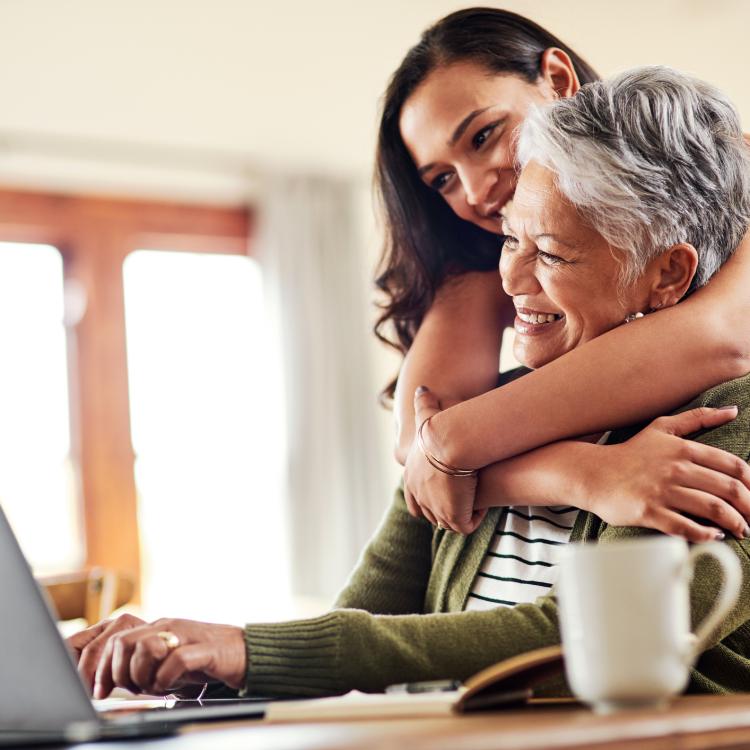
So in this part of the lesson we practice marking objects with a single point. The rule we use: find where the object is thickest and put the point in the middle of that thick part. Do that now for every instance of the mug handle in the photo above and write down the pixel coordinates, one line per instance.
(726, 598)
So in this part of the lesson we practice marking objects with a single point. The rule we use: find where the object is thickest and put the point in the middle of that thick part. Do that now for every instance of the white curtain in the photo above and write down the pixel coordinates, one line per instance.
(318, 291)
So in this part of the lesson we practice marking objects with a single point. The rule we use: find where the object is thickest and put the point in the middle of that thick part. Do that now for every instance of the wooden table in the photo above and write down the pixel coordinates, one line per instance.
(691, 723)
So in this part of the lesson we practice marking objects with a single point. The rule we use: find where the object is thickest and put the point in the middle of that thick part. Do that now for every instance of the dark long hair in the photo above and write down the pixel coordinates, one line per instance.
(425, 242)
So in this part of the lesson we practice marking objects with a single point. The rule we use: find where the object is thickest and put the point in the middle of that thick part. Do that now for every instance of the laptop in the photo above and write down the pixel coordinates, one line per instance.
(42, 698)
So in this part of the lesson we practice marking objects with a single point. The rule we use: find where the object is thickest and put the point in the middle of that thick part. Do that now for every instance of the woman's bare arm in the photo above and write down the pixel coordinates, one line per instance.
(652, 480)
(627, 375)
(457, 347)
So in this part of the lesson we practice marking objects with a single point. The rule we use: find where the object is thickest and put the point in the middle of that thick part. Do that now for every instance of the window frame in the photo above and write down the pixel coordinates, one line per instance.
(94, 235)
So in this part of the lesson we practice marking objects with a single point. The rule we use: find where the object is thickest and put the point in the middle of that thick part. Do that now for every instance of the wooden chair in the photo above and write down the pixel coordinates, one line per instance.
(89, 594)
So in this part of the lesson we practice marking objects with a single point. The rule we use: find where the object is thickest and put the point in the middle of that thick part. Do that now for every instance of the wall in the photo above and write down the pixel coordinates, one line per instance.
(229, 85)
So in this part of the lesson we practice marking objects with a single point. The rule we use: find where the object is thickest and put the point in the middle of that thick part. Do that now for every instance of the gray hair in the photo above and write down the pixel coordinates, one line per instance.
(650, 158)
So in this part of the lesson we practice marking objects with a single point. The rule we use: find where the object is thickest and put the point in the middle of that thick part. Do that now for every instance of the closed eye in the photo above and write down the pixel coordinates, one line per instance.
(550, 259)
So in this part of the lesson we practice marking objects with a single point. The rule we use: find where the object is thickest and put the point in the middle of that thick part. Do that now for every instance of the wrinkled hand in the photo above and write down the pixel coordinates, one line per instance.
(128, 653)
(655, 477)
(444, 500)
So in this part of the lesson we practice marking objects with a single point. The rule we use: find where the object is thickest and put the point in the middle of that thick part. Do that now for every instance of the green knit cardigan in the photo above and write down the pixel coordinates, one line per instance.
(400, 617)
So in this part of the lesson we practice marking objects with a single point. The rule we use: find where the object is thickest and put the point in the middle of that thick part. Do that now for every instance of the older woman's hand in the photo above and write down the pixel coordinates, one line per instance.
(446, 501)
(130, 653)
(654, 479)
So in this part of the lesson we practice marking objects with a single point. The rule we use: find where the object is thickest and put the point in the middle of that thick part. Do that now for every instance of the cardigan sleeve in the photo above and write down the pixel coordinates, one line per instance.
(392, 573)
(351, 649)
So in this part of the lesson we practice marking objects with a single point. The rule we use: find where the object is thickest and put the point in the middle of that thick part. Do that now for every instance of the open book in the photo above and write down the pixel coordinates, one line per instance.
(508, 682)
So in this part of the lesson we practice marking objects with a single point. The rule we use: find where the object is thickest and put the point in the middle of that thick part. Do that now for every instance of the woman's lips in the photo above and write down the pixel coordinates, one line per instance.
(534, 329)
(533, 322)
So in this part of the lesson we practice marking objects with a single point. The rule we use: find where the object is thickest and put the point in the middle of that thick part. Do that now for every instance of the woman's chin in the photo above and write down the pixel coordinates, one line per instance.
(533, 357)
(493, 226)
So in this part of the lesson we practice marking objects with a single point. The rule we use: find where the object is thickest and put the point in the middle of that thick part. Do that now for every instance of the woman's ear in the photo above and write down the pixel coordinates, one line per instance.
(672, 272)
(558, 71)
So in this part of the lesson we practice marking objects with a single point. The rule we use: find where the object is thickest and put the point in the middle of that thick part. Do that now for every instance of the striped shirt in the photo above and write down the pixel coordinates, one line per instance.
(521, 562)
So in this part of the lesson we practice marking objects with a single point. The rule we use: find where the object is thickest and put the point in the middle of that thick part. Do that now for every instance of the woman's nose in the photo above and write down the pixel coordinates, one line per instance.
(477, 184)
(517, 273)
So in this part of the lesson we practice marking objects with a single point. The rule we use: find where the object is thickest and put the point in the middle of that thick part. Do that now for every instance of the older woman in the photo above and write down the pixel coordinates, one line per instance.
(599, 234)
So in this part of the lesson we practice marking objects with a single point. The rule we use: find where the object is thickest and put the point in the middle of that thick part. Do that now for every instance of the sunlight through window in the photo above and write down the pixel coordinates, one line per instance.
(208, 438)
(38, 488)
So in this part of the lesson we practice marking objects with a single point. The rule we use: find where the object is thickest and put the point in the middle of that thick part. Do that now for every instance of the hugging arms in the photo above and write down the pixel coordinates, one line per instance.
(609, 381)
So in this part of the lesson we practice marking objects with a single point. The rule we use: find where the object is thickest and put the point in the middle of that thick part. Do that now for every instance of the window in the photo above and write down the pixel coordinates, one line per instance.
(38, 487)
(206, 435)
(80, 427)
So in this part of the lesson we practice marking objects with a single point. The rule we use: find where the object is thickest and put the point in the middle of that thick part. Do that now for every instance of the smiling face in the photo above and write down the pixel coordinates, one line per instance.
(458, 127)
(561, 273)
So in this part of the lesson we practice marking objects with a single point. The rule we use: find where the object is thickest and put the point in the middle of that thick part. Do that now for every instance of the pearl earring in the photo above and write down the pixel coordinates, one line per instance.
(633, 316)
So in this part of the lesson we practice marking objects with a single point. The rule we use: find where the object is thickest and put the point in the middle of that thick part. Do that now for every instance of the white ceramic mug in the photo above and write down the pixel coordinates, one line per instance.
(625, 618)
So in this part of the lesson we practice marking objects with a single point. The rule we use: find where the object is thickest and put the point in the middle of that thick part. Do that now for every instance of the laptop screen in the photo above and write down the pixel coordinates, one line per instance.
(40, 687)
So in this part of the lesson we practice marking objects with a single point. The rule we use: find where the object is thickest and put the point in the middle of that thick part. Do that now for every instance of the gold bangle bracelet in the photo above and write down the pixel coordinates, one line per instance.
(435, 462)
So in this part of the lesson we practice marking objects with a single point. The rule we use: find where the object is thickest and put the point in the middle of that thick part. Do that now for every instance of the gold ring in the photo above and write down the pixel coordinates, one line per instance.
(169, 638)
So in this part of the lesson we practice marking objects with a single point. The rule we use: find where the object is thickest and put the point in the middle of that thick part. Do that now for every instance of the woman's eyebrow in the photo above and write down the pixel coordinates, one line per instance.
(554, 238)
(426, 168)
(461, 129)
